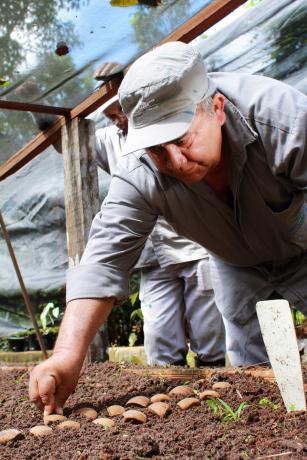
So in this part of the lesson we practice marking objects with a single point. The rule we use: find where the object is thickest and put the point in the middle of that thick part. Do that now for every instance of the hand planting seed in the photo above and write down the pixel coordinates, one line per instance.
(40, 430)
(105, 422)
(139, 401)
(181, 390)
(68, 425)
(186, 403)
(115, 410)
(159, 397)
(134, 416)
(159, 408)
(88, 412)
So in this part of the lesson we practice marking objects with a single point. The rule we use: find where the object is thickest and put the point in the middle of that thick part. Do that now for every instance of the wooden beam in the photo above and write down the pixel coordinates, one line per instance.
(39, 143)
(207, 17)
(36, 108)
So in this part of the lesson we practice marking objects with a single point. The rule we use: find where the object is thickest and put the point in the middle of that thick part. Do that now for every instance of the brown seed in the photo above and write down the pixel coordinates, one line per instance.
(115, 410)
(68, 424)
(8, 435)
(181, 390)
(208, 394)
(88, 412)
(220, 385)
(159, 408)
(105, 422)
(134, 416)
(40, 430)
(53, 418)
(159, 397)
(139, 401)
(186, 403)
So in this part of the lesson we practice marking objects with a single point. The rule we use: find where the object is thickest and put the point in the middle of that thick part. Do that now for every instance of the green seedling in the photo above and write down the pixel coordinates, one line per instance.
(20, 379)
(229, 414)
(266, 402)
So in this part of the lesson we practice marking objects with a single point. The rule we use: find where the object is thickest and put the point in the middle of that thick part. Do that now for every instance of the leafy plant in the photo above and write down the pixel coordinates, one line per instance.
(229, 414)
(266, 402)
(48, 315)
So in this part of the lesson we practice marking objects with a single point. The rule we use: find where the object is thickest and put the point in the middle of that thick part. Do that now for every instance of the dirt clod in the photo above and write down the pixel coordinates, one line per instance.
(115, 410)
(9, 435)
(221, 385)
(181, 390)
(68, 425)
(53, 418)
(134, 416)
(40, 430)
(105, 422)
(139, 401)
(88, 412)
(159, 408)
(159, 397)
(186, 403)
(208, 394)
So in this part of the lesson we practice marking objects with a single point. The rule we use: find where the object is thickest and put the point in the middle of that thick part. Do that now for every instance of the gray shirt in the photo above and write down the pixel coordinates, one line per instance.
(265, 138)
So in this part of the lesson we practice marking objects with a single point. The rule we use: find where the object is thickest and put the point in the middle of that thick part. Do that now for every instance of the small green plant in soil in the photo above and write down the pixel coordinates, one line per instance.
(218, 406)
(266, 402)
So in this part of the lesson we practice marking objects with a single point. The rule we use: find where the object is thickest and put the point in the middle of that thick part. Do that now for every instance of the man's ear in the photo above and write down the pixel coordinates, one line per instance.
(218, 107)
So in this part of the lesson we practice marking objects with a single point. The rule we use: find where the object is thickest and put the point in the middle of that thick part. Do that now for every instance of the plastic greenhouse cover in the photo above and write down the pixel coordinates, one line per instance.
(50, 49)
(269, 38)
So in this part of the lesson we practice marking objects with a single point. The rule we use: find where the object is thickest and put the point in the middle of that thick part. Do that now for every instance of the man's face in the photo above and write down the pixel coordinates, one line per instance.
(197, 154)
(116, 115)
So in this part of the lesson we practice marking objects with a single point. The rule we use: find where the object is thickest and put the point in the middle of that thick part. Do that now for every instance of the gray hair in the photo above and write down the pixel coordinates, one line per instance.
(207, 105)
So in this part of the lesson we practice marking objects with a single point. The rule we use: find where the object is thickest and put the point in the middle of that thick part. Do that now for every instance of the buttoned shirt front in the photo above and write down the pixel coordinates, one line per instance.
(265, 136)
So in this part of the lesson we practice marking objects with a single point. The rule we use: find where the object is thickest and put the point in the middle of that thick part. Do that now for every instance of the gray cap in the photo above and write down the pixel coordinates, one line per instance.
(160, 93)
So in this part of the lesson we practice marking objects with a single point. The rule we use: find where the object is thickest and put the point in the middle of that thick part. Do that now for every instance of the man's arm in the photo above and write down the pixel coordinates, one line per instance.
(52, 381)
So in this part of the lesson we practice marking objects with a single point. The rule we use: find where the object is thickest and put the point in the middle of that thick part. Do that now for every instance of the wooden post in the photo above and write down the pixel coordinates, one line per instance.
(81, 195)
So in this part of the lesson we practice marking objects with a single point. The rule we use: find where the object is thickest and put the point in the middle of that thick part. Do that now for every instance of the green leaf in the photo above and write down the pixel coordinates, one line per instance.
(56, 312)
(133, 297)
(132, 339)
(137, 314)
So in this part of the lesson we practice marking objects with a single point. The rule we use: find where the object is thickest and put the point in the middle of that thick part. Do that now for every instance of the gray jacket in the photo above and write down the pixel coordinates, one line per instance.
(265, 135)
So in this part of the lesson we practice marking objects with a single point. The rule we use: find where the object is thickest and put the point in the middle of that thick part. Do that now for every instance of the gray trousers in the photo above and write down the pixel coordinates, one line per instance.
(238, 289)
(173, 299)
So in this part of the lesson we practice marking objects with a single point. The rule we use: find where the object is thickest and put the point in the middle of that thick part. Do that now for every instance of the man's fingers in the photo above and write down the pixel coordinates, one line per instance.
(46, 391)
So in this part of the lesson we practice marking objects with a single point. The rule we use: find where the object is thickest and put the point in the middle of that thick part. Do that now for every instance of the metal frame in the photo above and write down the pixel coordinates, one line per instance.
(207, 17)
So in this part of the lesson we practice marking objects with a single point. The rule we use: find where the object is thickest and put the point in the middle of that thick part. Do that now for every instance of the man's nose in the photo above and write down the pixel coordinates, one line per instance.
(174, 156)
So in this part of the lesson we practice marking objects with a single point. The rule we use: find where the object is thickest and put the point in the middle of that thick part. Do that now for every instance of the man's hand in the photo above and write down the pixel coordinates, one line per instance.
(52, 381)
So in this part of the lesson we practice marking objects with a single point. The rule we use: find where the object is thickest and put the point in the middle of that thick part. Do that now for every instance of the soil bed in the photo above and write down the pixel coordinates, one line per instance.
(196, 433)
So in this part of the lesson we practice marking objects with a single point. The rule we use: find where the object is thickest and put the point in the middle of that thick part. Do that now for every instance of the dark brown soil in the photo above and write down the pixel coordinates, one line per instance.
(198, 433)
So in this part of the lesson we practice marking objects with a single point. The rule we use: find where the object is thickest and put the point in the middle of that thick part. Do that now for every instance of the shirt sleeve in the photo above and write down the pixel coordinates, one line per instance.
(285, 139)
(117, 237)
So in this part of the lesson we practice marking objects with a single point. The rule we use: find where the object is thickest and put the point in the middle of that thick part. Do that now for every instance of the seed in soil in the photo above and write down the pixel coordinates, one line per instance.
(9, 435)
(134, 416)
(53, 418)
(186, 403)
(182, 390)
(40, 430)
(220, 385)
(159, 408)
(159, 397)
(115, 410)
(208, 394)
(139, 401)
(68, 425)
(88, 412)
(105, 422)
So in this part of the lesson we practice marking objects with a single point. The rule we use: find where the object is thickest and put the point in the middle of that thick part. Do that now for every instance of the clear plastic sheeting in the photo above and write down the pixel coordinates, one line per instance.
(50, 49)
(267, 39)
